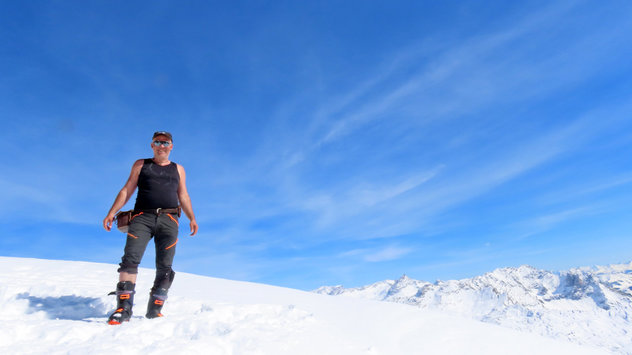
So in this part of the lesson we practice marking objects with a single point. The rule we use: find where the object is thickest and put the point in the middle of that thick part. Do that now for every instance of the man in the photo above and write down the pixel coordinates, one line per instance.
(162, 192)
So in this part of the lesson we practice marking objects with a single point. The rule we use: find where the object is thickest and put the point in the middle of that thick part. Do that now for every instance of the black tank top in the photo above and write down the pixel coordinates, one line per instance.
(157, 186)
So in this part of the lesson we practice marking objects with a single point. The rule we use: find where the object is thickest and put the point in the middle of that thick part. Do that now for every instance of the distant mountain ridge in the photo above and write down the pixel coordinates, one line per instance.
(589, 306)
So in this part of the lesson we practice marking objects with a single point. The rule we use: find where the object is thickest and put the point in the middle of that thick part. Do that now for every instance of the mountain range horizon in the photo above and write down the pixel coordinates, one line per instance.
(587, 305)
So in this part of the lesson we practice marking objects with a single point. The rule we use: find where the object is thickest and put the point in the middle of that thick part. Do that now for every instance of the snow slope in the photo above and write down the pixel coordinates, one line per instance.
(60, 307)
(590, 306)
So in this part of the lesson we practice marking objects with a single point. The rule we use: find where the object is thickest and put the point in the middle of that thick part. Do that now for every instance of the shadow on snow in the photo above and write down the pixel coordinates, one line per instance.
(66, 307)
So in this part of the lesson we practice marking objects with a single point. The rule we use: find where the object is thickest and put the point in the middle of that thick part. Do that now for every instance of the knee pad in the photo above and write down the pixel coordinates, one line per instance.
(163, 280)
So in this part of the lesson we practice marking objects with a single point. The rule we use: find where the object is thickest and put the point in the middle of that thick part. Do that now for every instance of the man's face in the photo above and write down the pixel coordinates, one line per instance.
(157, 144)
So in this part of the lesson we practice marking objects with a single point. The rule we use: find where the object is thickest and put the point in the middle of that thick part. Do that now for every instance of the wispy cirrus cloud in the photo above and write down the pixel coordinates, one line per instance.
(377, 254)
(427, 96)
(334, 206)
(455, 78)
(361, 210)
(387, 254)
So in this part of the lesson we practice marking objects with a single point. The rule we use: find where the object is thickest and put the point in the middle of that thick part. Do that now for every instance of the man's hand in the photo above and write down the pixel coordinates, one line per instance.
(194, 227)
(108, 221)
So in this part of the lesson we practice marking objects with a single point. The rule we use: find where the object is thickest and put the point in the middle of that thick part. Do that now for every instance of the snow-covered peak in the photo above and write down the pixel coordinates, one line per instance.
(330, 290)
(587, 305)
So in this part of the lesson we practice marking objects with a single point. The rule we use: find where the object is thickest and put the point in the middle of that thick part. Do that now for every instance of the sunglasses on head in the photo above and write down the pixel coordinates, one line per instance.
(161, 143)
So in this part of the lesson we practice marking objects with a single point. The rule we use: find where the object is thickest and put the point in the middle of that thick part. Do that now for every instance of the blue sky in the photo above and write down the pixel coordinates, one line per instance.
(325, 142)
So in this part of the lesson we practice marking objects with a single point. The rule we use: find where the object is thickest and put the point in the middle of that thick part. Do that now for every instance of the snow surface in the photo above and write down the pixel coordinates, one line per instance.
(589, 306)
(60, 307)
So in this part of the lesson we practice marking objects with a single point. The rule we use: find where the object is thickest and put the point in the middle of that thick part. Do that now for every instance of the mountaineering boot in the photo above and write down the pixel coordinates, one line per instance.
(124, 302)
(157, 299)
(158, 294)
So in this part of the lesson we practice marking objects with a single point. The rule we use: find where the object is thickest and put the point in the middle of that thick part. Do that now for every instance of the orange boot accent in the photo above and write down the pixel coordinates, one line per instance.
(113, 321)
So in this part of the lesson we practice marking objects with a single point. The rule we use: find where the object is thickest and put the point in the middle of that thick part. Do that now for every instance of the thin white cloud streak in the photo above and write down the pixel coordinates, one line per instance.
(23, 194)
(464, 78)
(20, 200)
(473, 74)
(389, 253)
(548, 221)
(455, 72)
(583, 189)
(374, 255)
(364, 210)
(612, 183)
(413, 208)
(334, 206)
(572, 205)
(452, 73)
(545, 222)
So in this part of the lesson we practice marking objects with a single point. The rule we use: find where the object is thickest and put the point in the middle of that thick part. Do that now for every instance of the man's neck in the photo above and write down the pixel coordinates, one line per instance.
(162, 162)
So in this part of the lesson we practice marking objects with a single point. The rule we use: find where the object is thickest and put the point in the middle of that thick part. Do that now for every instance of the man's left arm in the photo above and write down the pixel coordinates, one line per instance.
(185, 200)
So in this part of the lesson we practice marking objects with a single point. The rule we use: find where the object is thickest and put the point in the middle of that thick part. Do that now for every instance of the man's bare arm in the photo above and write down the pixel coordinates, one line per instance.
(185, 200)
(124, 195)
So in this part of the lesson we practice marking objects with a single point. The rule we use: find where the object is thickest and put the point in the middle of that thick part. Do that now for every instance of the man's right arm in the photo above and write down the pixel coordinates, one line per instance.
(124, 195)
